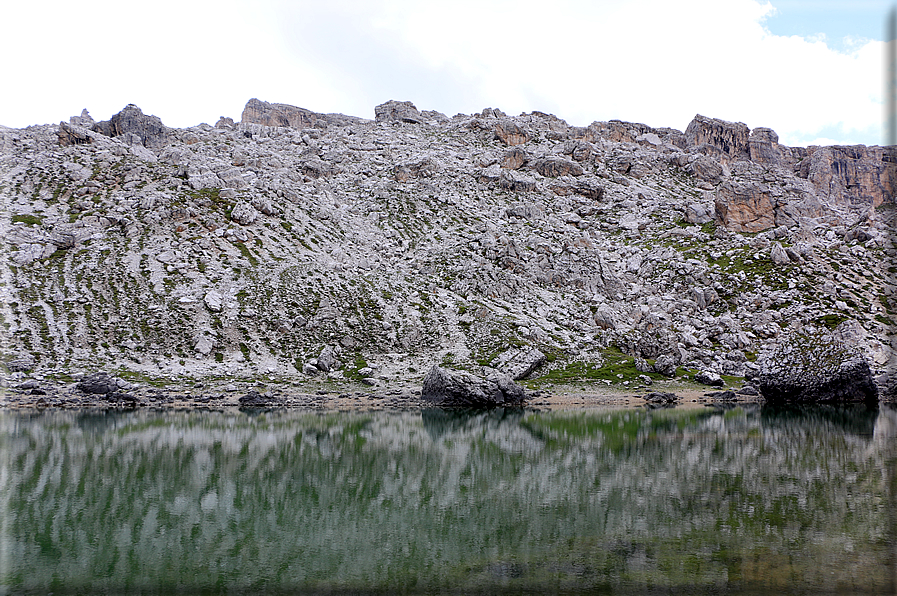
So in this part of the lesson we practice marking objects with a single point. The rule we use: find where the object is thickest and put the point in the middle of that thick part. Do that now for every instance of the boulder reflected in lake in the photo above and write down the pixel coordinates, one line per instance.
(623, 500)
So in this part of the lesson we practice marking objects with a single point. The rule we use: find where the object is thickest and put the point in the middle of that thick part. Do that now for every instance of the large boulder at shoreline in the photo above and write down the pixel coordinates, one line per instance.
(443, 387)
(816, 368)
(98, 383)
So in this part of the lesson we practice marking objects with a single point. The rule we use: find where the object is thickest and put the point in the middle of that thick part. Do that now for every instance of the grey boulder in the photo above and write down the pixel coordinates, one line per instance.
(99, 384)
(443, 387)
(816, 368)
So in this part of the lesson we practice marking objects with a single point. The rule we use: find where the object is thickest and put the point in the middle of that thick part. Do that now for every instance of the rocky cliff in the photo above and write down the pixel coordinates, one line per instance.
(294, 244)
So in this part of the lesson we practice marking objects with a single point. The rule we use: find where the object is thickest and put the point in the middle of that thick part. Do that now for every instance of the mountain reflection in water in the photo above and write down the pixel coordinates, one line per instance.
(742, 500)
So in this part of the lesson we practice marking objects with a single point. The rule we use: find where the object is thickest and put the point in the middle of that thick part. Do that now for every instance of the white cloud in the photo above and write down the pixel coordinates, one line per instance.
(652, 61)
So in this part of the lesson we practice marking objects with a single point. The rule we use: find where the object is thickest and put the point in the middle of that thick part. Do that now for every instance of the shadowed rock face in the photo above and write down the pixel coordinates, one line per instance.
(729, 139)
(443, 387)
(132, 121)
(816, 369)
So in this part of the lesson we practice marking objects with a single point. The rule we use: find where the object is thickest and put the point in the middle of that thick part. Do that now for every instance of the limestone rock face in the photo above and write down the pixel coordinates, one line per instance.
(132, 121)
(554, 167)
(707, 169)
(754, 206)
(264, 241)
(816, 368)
(764, 146)
(745, 207)
(514, 158)
(278, 114)
(519, 363)
(729, 139)
(854, 175)
(398, 111)
(452, 388)
(510, 133)
(70, 134)
(515, 181)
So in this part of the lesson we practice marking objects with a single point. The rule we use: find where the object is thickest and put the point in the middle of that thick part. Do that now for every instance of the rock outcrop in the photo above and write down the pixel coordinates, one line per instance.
(510, 133)
(728, 140)
(137, 126)
(398, 111)
(792, 183)
(816, 368)
(278, 114)
(452, 388)
(519, 363)
(852, 175)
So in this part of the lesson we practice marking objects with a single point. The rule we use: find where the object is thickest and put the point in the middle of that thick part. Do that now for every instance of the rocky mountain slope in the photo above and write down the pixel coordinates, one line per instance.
(293, 244)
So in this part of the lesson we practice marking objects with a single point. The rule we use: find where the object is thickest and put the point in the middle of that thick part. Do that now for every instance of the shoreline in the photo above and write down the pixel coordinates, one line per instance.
(335, 396)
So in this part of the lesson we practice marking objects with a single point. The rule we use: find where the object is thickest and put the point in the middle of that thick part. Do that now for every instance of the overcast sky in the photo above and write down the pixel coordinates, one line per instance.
(811, 70)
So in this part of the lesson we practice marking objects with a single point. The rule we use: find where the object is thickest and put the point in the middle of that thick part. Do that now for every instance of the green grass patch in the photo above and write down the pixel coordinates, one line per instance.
(616, 367)
(830, 321)
(244, 250)
(29, 219)
(351, 372)
(885, 321)
(138, 377)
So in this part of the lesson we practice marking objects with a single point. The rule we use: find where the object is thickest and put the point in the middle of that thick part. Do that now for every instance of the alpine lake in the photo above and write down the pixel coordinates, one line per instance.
(747, 499)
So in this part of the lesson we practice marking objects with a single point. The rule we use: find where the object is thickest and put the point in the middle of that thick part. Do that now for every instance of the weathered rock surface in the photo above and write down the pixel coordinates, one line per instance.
(519, 363)
(278, 114)
(718, 137)
(661, 398)
(816, 368)
(444, 387)
(249, 247)
(708, 377)
(398, 111)
(554, 167)
(510, 133)
(150, 131)
(254, 399)
(853, 175)
(98, 383)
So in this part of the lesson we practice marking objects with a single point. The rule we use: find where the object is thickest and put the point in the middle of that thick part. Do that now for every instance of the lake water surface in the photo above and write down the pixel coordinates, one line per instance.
(696, 500)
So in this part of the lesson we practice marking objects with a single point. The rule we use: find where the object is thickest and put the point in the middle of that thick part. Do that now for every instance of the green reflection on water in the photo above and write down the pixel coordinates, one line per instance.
(743, 500)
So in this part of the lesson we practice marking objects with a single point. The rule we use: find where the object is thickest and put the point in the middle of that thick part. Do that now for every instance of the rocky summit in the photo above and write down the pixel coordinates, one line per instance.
(295, 245)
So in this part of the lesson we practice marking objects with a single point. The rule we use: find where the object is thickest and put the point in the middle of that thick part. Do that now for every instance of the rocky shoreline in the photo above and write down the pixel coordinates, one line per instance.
(43, 393)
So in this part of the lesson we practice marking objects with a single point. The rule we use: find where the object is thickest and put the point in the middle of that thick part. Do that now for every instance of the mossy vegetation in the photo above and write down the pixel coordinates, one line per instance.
(614, 366)
(27, 219)
(830, 321)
